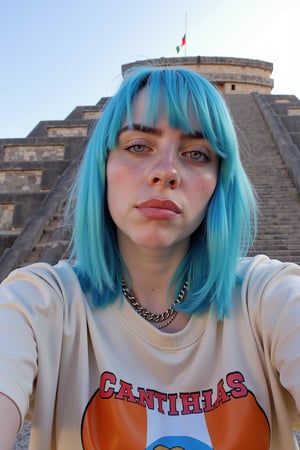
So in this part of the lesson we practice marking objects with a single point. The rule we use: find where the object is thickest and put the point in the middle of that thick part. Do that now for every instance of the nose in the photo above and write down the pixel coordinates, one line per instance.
(165, 174)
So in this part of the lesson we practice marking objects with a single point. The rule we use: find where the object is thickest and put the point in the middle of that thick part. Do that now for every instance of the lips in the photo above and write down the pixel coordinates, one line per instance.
(156, 203)
(159, 209)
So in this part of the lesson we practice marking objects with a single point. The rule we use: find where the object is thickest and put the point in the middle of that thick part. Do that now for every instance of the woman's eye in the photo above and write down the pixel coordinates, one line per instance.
(197, 155)
(137, 148)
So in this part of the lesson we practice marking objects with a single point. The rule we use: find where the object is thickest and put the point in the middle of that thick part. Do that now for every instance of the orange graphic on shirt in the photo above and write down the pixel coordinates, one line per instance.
(112, 424)
(115, 418)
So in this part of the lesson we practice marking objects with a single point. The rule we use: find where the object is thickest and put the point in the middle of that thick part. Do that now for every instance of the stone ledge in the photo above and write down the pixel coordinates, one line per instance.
(33, 152)
(79, 111)
(231, 75)
(292, 123)
(73, 145)
(239, 78)
(25, 205)
(32, 165)
(197, 60)
(41, 130)
(49, 172)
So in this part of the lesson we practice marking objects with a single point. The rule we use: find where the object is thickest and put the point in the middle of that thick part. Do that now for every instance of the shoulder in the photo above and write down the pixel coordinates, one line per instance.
(270, 289)
(42, 283)
(260, 270)
(56, 274)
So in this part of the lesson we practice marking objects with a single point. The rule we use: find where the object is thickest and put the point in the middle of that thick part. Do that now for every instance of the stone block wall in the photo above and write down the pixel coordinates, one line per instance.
(29, 169)
(6, 216)
(20, 180)
(35, 175)
(33, 152)
(231, 75)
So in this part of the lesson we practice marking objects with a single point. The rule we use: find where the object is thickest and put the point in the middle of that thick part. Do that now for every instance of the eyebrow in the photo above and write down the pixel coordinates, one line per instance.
(157, 131)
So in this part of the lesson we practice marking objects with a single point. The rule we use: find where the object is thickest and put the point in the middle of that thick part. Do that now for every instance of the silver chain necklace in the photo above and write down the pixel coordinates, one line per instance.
(158, 320)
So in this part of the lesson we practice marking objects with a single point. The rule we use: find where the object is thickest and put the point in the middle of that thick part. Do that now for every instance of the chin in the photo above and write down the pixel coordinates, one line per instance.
(158, 242)
(153, 240)
(156, 245)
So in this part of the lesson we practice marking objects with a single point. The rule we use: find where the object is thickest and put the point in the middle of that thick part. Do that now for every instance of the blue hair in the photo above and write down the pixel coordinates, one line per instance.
(229, 227)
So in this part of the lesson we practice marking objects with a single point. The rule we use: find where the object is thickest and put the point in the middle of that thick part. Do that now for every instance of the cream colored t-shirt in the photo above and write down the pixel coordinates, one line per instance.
(104, 378)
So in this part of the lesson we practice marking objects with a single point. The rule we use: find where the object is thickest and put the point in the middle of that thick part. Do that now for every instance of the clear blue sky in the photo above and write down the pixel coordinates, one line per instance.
(59, 54)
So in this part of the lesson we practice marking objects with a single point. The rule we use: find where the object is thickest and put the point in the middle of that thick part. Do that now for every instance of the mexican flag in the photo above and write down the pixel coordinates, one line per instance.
(182, 43)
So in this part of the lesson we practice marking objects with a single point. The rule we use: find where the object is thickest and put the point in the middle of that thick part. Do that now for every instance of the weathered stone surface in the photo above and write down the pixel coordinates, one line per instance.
(6, 216)
(278, 231)
(33, 152)
(66, 131)
(231, 75)
(20, 181)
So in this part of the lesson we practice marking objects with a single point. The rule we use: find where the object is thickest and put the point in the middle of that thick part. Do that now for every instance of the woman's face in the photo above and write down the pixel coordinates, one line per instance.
(159, 183)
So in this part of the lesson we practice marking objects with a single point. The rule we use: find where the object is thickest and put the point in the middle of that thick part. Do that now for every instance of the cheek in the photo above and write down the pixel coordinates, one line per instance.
(212, 183)
(119, 170)
(113, 185)
(118, 185)
(114, 173)
(206, 184)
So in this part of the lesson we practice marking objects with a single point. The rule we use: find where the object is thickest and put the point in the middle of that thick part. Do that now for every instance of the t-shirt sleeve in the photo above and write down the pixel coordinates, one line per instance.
(30, 325)
(274, 304)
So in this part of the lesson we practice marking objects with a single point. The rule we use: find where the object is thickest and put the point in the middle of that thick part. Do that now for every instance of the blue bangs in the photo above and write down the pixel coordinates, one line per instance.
(190, 102)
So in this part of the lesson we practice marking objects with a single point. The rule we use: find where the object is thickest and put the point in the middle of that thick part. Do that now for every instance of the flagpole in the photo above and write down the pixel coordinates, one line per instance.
(185, 27)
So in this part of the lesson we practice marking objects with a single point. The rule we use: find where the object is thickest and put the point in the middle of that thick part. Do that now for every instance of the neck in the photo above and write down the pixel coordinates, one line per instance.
(151, 271)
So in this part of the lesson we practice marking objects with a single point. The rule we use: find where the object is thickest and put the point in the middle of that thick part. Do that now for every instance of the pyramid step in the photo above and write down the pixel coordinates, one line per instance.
(7, 238)
(67, 131)
(23, 152)
(91, 115)
(49, 253)
(17, 207)
(278, 233)
(20, 180)
(41, 148)
(63, 129)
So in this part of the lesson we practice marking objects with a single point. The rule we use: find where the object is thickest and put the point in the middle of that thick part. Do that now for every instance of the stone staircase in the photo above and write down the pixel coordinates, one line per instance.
(279, 200)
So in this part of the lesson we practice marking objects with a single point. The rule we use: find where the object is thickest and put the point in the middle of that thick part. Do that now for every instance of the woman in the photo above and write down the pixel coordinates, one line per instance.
(159, 335)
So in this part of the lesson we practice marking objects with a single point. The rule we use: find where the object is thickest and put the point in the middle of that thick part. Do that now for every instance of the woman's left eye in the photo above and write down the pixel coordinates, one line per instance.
(196, 155)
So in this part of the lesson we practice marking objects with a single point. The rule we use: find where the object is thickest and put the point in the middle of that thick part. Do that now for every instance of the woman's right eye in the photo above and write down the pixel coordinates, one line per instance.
(137, 147)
